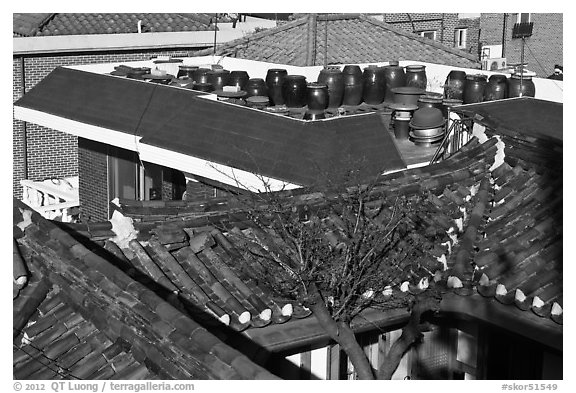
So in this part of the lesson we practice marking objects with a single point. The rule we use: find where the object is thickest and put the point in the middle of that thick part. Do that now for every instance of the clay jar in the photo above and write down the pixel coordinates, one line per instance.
(317, 97)
(394, 76)
(497, 88)
(200, 75)
(353, 85)
(416, 76)
(274, 81)
(526, 90)
(374, 85)
(294, 91)
(256, 87)
(186, 70)
(474, 89)
(334, 81)
(454, 86)
(238, 78)
(218, 78)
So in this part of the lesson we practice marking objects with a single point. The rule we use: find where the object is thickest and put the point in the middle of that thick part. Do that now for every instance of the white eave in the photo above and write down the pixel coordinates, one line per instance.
(126, 41)
(154, 154)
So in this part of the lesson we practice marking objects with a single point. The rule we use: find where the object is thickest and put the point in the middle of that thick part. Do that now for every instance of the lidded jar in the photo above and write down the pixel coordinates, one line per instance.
(238, 78)
(294, 91)
(497, 87)
(353, 85)
(474, 89)
(394, 76)
(416, 76)
(274, 81)
(218, 78)
(374, 85)
(256, 87)
(521, 86)
(317, 96)
(334, 81)
(455, 84)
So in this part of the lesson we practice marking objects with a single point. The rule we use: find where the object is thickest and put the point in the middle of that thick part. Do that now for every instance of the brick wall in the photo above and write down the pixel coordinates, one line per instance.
(51, 153)
(472, 34)
(543, 49)
(443, 23)
(93, 180)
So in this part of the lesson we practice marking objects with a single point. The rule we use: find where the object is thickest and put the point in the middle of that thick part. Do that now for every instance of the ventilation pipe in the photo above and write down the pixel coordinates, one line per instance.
(139, 26)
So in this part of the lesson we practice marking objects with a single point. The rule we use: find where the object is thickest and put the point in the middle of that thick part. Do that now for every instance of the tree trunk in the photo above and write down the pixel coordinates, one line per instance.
(341, 333)
(410, 334)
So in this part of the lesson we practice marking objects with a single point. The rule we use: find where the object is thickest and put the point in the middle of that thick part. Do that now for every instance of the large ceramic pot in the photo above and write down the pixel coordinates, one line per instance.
(416, 76)
(474, 89)
(200, 75)
(256, 87)
(334, 80)
(374, 85)
(497, 87)
(294, 91)
(353, 85)
(394, 76)
(186, 70)
(274, 81)
(218, 78)
(455, 84)
(238, 78)
(317, 96)
(521, 87)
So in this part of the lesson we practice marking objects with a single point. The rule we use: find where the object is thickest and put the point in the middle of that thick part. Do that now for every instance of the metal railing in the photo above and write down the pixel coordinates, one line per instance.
(458, 134)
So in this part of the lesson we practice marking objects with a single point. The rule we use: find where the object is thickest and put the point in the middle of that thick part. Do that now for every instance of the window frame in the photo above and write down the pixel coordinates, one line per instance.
(519, 17)
(461, 43)
(423, 32)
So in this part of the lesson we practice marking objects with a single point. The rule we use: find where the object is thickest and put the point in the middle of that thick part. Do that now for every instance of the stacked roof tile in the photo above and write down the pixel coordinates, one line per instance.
(341, 39)
(76, 316)
(107, 23)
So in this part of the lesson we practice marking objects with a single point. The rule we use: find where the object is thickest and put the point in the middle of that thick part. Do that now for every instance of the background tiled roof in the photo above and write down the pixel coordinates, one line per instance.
(342, 39)
(107, 23)
(28, 24)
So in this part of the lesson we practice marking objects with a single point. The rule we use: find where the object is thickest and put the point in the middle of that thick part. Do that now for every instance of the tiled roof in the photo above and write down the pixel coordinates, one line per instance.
(507, 253)
(79, 317)
(342, 39)
(27, 25)
(271, 145)
(88, 23)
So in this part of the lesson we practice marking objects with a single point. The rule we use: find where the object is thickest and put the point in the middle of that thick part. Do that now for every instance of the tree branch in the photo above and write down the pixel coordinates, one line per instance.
(341, 333)
(410, 334)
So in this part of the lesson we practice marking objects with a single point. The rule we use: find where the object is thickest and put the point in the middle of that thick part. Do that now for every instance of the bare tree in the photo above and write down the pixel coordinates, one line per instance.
(339, 251)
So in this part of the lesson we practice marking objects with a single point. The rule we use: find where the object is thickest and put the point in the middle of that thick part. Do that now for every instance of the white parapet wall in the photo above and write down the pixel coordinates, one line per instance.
(546, 89)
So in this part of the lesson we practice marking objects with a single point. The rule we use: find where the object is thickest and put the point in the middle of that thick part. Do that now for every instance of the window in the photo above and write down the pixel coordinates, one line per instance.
(523, 18)
(460, 38)
(428, 34)
(129, 178)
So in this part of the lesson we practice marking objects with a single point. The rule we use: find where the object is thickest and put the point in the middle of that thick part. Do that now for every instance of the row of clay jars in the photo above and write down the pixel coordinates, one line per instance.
(476, 88)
